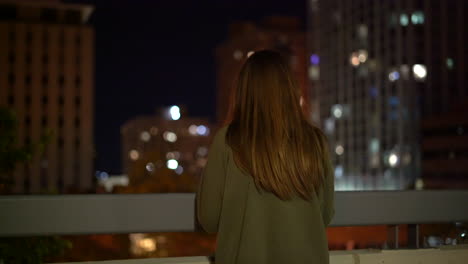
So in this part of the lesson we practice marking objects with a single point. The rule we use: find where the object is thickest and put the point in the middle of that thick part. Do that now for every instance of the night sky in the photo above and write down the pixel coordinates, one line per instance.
(152, 53)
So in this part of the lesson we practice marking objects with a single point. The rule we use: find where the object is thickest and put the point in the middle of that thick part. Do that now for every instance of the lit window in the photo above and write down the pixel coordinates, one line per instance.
(134, 154)
(193, 129)
(172, 164)
(450, 63)
(314, 72)
(145, 136)
(337, 111)
(394, 76)
(339, 172)
(174, 111)
(417, 18)
(419, 71)
(404, 20)
(339, 150)
(362, 56)
(237, 55)
(150, 167)
(354, 59)
(170, 136)
(314, 59)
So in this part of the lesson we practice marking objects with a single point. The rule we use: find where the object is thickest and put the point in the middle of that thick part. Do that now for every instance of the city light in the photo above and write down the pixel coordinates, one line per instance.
(202, 151)
(450, 63)
(193, 130)
(150, 167)
(339, 150)
(404, 20)
(417, 18)
(170, 136)
(314, 72)
(174, 111)
(419, 71)
(147, 244)
(202, 130)
(237, 55)
(134, 154)
(354, 59)
(338, 171)
(250, 53)
(337, 111)
(362, 56)
(145, 136)
(314, 59)
(179, 170)
(394, 76)
(173, 155)
(172, 164)
(393, 160)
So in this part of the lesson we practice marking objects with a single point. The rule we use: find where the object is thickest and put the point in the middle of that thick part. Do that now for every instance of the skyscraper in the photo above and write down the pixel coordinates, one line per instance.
(383, 66)
(46, 76)
(279, 33)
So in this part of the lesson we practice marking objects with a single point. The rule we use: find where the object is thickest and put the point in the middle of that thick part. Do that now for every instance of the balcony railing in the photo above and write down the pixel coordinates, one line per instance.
(27, 215)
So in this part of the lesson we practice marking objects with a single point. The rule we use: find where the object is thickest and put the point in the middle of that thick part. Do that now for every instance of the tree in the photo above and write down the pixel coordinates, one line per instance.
(27, 250)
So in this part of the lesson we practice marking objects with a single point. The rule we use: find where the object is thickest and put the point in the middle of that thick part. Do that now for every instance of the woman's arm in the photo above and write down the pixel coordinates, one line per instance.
(210, 192)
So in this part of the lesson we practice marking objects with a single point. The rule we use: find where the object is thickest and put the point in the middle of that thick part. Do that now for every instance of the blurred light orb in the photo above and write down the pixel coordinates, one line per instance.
(170, 136)
(202, 130)
(393, 160)
(362, 56)
(250, 53)
(394, 76)
(179, 170)
(404, 20)
(202, 151)
(192, 129)
(174, 112)
(419, 71)
(172, 164)
(337, 111)
(339, 172)
(145, 136)
(450, 63)
(237, 55)
(150, 167)
(147, 244)
(354, 59)
(339, 150)
(314, 59)
(134, 154)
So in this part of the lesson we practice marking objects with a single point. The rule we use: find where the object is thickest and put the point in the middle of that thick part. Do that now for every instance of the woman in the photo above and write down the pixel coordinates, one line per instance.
(267, 189)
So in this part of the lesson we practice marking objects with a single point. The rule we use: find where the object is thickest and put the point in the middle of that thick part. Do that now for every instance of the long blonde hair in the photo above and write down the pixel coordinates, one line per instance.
(269, 134)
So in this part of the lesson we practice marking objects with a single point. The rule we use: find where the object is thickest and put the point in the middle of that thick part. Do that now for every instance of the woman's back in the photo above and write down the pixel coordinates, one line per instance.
(255, 226)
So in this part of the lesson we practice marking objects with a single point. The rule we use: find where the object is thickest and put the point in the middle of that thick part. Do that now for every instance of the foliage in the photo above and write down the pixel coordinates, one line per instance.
(27, 250)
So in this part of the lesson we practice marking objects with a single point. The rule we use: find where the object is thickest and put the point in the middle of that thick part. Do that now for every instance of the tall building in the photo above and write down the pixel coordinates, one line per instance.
(282, 34)
(46, 76)
(383, 66)
(153, 144)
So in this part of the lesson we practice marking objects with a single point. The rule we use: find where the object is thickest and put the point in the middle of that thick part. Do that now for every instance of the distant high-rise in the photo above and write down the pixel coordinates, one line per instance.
(282, 34)
(46, 76)
(165, 141)
(380, 67)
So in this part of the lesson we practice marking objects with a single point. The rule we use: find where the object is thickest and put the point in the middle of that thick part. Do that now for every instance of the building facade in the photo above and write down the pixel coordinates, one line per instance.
(383, 66)
(282, 34)
(166, 143)
(46, 77)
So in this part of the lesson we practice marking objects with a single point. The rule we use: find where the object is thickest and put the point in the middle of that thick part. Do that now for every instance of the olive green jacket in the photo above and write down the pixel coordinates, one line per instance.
(255, 226)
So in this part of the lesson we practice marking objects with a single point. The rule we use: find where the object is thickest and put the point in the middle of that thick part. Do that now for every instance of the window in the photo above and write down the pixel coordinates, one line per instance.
(8, 12)
(49, 15)
(72, 17)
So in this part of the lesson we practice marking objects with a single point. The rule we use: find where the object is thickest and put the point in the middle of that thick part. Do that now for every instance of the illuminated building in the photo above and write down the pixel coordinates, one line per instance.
(278, 33)
(170, 140)
(379, 67)
(46, 77)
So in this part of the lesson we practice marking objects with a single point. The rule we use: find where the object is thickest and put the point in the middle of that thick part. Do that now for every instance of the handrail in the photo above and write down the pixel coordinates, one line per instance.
(27, 215)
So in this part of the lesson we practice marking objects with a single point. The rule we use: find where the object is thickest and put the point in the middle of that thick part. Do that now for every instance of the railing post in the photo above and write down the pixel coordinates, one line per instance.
(392, 236)
(413, 236)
